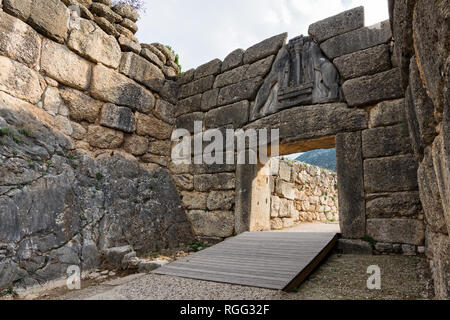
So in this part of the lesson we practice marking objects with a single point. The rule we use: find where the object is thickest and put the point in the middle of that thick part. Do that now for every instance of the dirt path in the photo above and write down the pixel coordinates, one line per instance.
(339, 277)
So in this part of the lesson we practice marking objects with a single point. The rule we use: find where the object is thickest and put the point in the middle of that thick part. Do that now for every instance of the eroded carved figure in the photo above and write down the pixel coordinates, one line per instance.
(300, 75)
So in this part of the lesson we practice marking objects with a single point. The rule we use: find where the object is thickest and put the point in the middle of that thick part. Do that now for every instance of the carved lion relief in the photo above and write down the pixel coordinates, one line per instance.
(300, 75)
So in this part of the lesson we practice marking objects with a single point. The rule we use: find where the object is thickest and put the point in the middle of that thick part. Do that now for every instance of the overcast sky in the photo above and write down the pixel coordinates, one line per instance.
(202, 30)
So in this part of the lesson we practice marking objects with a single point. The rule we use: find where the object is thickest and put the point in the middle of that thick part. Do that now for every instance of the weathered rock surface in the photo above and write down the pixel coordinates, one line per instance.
(104, 138)
(372, 89)
(348, 246)
(387, 113)
(386, 141)
(19, 81)
(365, 62)
(61, 64)
(81, 106)
(351, 184)
(18, 8)
(336, 25)
(357, 40)
(393, 205)
(399, 174)
(152, 126)
(212, 223)
(18, 41)
(51, 18)
(94, 44)
(120, 118)
(236, 115)
(396, 230)
(142, 71)
(211, 68)
(110, 86)
(233, 60)
(265, 48)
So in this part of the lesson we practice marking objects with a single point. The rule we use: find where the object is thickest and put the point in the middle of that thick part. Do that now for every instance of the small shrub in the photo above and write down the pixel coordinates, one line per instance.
(99, 176)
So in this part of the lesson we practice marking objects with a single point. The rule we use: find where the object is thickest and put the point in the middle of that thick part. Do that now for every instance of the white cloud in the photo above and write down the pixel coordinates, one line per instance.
(202, 30)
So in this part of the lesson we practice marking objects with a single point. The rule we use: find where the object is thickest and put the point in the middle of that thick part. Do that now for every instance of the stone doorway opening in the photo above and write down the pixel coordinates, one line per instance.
(284, 194)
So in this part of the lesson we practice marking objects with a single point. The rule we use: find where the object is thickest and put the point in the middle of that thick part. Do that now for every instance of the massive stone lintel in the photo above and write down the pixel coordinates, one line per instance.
(301, 75)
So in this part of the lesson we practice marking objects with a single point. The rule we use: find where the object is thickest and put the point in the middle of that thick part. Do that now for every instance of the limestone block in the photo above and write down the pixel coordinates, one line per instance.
(405, 231)
(429, 194)
(288, 222)
(372, 89)
(81, 106)
(431, 38)
(196, 87)
(170, 56)
(188, 105)
(286, 208)
(220, 181)
(184, 181)
(63, 124)
(104, 138)
(165, 111)
(187, 121)
(221, 200)
(365, 62)
(245, 90)
(18, 41)
(194, 200)
(233, 60)
(105, 11)
(120, 118)
(19, 81)
(52, 101)
(209, 99)
(387, 113)
(285, 189)
(51, 18)
(275, 206)
(152, 126)
(276, 224)
(210, 68)
(351, 184)
(286, 172)
(265, 48)
(18, 8)
(94, 44)
(61, 64)
(386, 141)
(152, 57)
(235, 114)
(336, 25)
(142, 71)
(391, 205)
(212, 223)
(320, 121)
(357, 40)
(129, 45)
(127, 11)
(398, 173)
(110, 86)
(159, 147)
(186, 77)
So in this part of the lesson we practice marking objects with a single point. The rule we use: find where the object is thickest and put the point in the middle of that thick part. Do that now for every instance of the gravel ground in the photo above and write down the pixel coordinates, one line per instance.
(340, 277)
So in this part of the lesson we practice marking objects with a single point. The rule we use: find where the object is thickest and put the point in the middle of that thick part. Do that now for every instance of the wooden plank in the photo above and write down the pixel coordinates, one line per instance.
(274, 260)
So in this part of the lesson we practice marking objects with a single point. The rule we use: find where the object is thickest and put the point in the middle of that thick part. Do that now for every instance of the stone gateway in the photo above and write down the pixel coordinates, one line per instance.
(87, 115)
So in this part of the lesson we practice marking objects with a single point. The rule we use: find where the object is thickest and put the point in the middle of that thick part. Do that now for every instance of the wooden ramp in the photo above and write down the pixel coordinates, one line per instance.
(273, 260)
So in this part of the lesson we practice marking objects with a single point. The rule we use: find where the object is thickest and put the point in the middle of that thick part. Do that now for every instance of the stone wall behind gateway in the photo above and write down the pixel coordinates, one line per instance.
(301, 193)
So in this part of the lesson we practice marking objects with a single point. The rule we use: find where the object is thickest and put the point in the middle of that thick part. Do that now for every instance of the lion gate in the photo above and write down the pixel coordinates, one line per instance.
(339, 87)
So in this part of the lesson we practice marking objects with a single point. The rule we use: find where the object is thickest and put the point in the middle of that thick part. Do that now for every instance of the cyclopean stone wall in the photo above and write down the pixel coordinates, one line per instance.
(86, 114)
(354, 103)
(422, 44)
(301, 193)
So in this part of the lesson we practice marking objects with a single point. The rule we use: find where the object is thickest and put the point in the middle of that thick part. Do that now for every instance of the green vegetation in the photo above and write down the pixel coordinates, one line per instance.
(370, 240)
(99, 176)
(177, 58)
(323, 158)
(197, 245)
